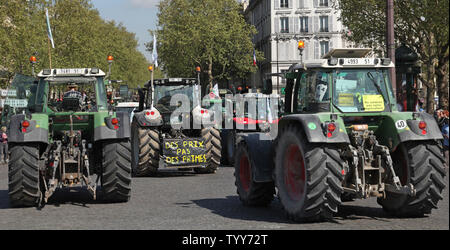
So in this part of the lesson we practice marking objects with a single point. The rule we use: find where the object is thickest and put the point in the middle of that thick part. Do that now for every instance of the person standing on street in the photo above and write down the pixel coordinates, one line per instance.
(3, 145)
(444, 126)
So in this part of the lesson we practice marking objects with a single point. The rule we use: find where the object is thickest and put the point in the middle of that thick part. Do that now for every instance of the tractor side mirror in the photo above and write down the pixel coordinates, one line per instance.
(141, 99)
(267, 86)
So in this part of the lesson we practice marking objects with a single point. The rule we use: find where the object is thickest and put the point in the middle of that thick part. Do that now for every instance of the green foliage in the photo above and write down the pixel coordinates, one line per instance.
(82, 39)
(211, 34)
(421, 25)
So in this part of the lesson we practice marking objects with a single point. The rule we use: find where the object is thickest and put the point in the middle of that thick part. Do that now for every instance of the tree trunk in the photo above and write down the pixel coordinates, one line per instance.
(430, 99)
(442, 85)
(210, 76)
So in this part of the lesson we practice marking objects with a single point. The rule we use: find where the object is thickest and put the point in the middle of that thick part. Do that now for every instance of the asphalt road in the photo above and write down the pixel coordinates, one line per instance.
(189, 201)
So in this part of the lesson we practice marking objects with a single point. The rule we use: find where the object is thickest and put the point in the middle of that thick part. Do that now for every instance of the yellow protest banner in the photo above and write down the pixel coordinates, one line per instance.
(373, 102)
(345, 100)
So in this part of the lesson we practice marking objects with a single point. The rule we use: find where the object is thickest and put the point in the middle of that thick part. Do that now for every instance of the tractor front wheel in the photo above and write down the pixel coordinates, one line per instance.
(214, 150)
(422, 165)
(251, 193)
(145, 151)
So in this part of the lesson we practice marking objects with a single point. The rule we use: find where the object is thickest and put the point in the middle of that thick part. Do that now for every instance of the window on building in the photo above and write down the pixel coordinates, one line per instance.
(284, 3)
(304, 24)
(323, 24)
(323, 3)
(324, 47)
(284, 24)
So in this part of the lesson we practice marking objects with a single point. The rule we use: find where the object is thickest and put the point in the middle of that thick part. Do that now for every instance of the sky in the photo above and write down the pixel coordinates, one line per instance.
(138, 16)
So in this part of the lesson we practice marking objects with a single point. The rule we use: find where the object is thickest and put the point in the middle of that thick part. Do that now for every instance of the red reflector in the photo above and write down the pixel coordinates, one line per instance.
(24, 130)
(147, 113)
(424, 132)
(331, 127)
(202, 111)
(343, 172)
(114, 121)
(116, 127)
(329, 134)
(152, 113)
(25, 124)
(422, 125)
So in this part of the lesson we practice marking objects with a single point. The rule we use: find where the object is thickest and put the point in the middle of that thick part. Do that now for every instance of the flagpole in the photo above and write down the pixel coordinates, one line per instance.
(50, 38)
(49, 53)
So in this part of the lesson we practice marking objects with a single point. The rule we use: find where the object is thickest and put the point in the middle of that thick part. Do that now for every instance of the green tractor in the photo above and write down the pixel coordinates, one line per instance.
(172, 131)
(61, 139)
(342, 138)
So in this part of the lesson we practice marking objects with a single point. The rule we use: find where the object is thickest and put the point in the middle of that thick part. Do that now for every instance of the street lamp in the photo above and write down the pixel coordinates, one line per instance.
(301, 46)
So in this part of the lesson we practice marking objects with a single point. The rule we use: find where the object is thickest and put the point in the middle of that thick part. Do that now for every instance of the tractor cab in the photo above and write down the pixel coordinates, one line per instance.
(340, 82)
(166, 96)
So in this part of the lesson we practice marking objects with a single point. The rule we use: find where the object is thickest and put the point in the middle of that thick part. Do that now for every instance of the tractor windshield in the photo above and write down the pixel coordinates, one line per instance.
(19, 96)
(163, 94)
(85, 94)
(362, 90)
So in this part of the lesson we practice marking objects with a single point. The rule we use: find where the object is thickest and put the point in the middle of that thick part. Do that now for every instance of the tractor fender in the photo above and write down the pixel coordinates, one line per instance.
(261, 150)
(144, 122)
(414, 133)
(109, 132)
(33, 133)
(314, 128)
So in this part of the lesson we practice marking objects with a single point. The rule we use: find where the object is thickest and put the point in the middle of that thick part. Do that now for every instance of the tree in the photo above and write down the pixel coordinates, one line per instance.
(420, 25)
(211, 34)
(18, 35)
(82, 39)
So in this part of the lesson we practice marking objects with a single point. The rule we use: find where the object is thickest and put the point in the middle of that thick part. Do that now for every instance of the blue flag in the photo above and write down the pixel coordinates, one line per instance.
(49, 30)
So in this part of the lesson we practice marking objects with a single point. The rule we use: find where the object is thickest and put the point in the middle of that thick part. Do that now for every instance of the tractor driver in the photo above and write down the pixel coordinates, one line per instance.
(73, 93)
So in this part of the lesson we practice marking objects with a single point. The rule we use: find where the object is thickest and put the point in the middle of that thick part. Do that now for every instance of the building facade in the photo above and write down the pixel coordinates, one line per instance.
(282, 23)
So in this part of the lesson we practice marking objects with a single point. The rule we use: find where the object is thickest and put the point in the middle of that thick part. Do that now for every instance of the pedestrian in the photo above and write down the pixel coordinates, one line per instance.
(3, 145)
(444, 130)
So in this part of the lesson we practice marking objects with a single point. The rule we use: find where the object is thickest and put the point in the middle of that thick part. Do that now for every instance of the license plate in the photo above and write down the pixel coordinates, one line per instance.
(190, 151)
(70, 71)
(359, 61)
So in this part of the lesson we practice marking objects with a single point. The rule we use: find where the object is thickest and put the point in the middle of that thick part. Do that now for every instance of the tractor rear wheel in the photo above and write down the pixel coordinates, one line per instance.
(308, 177)
(422, 165)
(23, 175)
(214, 150)
(250, 193)
(116, 174)
(145, 151)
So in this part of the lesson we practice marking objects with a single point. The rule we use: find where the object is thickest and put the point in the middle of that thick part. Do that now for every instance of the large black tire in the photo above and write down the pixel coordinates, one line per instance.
(23, 175)
(250, 193)
(422, 165)
(145, 151)
(214, 149)
(308, 176)
(116, 174)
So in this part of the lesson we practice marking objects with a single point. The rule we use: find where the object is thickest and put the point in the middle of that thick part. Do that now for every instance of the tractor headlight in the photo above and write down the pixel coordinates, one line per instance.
(200, 114)
(152, 114)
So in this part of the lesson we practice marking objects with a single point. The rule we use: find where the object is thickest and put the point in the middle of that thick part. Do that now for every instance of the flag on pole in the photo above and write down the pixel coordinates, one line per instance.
(49, 30)
(254, 57)
(269, 111)
(155, 52)
(215, 90)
